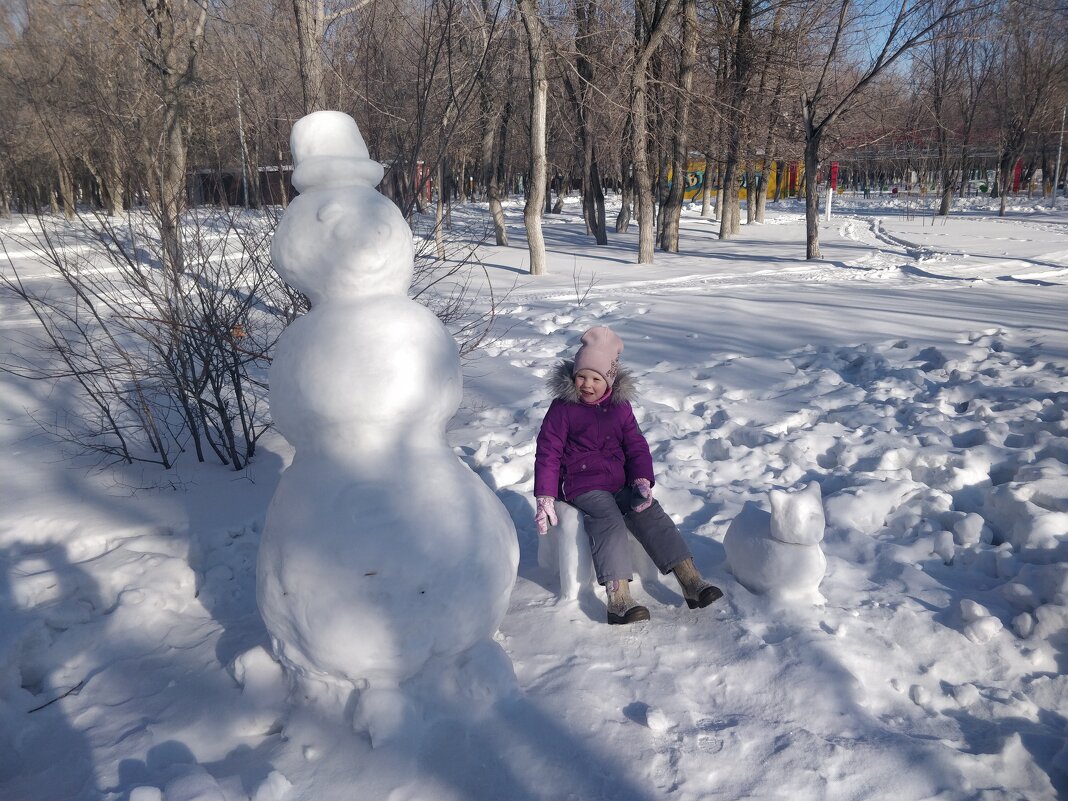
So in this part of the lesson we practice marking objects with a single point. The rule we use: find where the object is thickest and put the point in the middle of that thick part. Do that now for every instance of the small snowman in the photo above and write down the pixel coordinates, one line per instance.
(778, 553)
(382, 553)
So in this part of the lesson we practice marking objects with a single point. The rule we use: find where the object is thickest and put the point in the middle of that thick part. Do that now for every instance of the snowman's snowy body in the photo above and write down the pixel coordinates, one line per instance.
(381, 550)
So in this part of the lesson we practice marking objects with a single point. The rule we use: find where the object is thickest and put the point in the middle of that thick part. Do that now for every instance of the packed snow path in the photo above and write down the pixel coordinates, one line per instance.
(925, 394)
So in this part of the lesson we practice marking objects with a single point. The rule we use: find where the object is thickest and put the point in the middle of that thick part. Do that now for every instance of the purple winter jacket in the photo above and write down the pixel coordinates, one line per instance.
(584, 447)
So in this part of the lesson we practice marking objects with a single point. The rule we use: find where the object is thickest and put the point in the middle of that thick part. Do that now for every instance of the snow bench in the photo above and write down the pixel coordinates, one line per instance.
(565, 550)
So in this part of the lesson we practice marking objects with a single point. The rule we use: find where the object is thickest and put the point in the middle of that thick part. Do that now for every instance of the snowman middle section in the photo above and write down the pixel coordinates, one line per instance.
(381, 549)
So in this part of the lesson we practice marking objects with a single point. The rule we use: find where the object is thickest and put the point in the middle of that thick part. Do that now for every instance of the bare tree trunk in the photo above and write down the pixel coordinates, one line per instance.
(706, 189)
(493, 191)
(539, 93)
(812, 201)
(491, 113)
(729, 205)
(592, 192)
(593, 201)
(752, 192)
(947, 197)
(439, 211)
(1005, 164)
(737, 123)
(172, 45)
(171, 188)
(245, 165)
(284, 199)
(650, 30)
(112, 175)
(717, 205)
(680, 157)
(108, 177)
(310, 17)
(626, 189)
(497, 178)
(643, 187)
(66, 189)
(762, 195)
(463, 188)
(661, 184)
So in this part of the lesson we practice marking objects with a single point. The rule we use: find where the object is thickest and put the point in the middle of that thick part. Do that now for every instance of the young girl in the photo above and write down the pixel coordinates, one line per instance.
(592, 455)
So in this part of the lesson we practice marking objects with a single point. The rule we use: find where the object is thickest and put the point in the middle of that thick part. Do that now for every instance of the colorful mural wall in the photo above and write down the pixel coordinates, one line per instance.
(695, 179)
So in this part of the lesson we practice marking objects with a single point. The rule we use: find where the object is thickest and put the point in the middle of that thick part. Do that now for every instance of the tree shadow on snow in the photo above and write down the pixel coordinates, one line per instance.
(43, 755)
(1043, 739)
(172, 761)
(522, 754)
(512, 750)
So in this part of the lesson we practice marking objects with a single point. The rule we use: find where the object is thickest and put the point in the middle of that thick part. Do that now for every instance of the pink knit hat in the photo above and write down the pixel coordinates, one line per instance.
(600, 352)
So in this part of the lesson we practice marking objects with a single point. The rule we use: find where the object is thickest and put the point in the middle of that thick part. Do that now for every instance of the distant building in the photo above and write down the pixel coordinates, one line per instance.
(213, 186)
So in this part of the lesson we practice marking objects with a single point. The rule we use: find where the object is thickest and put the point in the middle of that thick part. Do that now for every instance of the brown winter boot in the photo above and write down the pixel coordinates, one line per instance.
(696, 591)
(621, 607)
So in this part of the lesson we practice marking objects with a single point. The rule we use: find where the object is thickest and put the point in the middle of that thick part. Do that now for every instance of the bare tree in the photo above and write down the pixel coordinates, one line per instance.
(170, 36)
(977, 68)
(494, 110)
(580, 92)
(680, 150)
(312, 23)
(539, 89)
(952, 73)
(743, 62)
(1029, 60)
(765, 115)
(830, 91)
(651, 21)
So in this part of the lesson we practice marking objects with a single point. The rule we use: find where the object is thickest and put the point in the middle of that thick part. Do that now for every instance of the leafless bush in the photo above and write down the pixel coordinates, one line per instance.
(448, 285)
(159, 361)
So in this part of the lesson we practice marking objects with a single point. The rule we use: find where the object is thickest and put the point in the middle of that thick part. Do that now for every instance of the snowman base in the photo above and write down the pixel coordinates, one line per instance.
(464, 686)
(565, 551)
(384, 714)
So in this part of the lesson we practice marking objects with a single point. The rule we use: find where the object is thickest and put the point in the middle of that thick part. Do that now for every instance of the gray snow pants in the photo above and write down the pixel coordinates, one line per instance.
(607, 517)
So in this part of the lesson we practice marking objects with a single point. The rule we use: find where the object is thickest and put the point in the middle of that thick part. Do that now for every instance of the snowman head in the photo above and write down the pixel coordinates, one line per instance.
(798, 517)
(340, 239)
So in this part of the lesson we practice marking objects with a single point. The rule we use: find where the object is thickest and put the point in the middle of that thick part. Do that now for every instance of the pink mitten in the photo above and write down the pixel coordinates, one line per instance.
(643, 488)
(546, 515)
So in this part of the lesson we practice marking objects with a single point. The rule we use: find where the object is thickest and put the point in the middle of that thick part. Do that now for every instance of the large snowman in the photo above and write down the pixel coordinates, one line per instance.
(382, 553)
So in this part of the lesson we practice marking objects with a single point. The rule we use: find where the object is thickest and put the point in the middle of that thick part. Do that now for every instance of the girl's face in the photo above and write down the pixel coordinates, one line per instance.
(590, 385)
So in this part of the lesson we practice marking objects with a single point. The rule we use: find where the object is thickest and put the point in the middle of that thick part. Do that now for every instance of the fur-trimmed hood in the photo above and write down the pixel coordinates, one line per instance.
(561, 384)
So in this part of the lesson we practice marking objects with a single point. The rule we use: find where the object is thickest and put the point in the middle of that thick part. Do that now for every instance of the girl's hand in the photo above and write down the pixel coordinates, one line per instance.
(546, 515)
(644, 490)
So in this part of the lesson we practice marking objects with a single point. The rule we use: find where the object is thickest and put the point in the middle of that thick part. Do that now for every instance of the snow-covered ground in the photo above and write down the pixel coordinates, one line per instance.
(918, 373)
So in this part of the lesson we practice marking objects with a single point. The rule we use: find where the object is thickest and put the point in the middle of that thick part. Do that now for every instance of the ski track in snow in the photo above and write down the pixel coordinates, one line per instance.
(923, 260)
